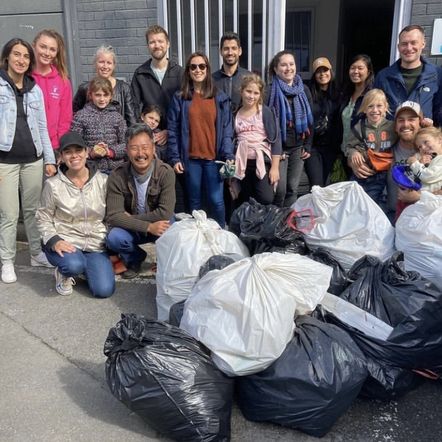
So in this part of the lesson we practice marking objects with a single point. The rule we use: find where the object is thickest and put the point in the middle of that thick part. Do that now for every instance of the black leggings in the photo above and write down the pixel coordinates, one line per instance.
(252, 186)
(319, 165)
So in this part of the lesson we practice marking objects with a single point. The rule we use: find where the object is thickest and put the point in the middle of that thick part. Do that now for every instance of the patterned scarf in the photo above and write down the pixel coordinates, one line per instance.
(299, 114)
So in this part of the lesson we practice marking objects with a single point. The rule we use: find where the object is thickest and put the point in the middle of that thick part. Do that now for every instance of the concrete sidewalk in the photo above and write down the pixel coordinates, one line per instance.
(53, 388)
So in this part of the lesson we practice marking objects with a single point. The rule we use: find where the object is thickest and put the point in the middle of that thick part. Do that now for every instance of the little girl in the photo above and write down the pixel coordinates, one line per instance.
(102, 126)
(370, 142)
(151, 115)
(258, 143)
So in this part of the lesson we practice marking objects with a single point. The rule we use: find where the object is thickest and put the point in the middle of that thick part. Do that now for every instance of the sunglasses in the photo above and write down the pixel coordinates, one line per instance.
(201, 67)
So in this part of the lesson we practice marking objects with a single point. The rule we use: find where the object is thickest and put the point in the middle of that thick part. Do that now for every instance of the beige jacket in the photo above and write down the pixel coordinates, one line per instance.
(72, 214)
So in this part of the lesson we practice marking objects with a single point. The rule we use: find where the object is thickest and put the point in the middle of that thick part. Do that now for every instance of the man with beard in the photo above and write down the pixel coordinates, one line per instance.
(229, 77)
(140, 199)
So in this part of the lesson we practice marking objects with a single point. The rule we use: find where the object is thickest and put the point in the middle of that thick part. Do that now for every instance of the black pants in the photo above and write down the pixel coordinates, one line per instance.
(319, 165)
(252, 186)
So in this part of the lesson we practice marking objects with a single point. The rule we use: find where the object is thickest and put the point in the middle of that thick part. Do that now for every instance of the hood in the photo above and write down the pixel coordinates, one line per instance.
(28, 82)
(62, 169)
(52, 74)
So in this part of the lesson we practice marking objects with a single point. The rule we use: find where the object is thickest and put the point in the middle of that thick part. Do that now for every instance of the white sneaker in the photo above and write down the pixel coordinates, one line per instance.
(63, 284)
(8, 273)
(40, 260)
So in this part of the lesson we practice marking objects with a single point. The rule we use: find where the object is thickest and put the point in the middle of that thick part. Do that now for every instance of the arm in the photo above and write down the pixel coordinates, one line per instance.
(174, 131)
(119, 149)
(136, 95)
(428, 175)
(48, 152)
(65, 116)
(307, 145)
(80, 97)
(129, 105)
(227, 131)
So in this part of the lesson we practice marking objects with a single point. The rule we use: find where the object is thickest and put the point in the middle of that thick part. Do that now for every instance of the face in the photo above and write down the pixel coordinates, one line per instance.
(428, 144)
(410, 47)
(251, 95)
(376, 111)
(100, 98)
(158, 46)
(18, 60)
(74, 157)
(323, 76)
(105, 65)
(152, 119)
(358, 72)
(45, 50)
(230, 52)
(198, 69)
(141, 151)
(286, 68)
(407, 124)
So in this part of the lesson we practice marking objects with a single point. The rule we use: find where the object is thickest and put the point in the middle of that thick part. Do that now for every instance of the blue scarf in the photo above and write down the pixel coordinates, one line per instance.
(299, 114)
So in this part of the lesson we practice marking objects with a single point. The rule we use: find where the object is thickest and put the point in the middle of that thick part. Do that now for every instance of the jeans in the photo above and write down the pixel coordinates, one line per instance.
(96, 266)
(290, 170)
(27, 179)
(205, 173)
(125, 243)
(374, 186)
(319, 165)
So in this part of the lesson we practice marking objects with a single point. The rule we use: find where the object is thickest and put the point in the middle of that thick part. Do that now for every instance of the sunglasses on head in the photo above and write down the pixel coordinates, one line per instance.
(201, 67)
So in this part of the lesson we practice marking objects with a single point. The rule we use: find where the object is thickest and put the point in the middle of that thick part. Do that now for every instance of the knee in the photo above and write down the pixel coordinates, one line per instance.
(104, 290)
(116, 238)
(73, 265)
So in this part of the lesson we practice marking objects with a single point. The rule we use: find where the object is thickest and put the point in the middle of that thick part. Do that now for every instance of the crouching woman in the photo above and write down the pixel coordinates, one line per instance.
(70, 221)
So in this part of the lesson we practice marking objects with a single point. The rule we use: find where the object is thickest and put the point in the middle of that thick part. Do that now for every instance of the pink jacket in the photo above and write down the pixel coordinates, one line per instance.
(57, 95)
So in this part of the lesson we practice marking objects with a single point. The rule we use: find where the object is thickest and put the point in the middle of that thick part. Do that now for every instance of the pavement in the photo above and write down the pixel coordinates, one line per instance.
(53, 387)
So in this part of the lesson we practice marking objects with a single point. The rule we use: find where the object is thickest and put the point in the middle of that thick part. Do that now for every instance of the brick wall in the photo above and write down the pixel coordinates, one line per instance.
(423, 13)
(119, 23)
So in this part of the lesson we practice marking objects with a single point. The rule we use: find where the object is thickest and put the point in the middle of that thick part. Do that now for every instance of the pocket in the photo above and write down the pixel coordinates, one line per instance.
(35, 105)
(5, 99)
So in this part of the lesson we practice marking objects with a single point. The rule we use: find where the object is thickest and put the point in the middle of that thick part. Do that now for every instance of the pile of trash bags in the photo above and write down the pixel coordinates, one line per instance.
(299, 325)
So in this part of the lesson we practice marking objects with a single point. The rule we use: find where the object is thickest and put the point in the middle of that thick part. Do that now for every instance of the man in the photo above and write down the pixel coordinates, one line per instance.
(156, 80)
(411, 78)
(229, 77)
(140, 199)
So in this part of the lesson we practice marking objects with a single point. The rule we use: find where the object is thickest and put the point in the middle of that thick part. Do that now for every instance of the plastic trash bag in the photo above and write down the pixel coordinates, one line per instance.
(182, 250)
(419, 236)
(168, 379)
(311, 385)
(349, 224)
(244, 312)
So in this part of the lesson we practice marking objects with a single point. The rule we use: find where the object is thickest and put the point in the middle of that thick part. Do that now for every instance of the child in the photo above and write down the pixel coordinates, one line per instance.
(259, 148)
(101, 126)
(151, 115)
(371, 141)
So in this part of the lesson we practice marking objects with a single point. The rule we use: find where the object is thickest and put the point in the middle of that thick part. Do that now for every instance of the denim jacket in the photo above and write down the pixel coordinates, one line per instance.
(36, 117)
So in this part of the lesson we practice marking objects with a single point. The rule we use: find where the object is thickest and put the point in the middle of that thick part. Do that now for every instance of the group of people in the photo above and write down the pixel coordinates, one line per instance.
(121, 160)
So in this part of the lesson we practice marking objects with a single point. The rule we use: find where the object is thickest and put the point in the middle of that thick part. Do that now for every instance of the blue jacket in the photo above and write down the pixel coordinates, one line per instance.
(437, 104)
(36, 116)
(178, 129)
(390, 80)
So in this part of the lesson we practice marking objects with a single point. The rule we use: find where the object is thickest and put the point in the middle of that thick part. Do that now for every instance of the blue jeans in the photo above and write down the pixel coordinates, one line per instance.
(290, 171)
(205, 174)
(374, 187)
(96, 266)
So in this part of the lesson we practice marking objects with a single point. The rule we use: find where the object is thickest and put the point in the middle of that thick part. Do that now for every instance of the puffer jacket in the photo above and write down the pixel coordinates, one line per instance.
(102, 125)
(72, 214)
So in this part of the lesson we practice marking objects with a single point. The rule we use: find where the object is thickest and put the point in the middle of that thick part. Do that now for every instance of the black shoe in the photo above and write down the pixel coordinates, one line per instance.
(132, 271)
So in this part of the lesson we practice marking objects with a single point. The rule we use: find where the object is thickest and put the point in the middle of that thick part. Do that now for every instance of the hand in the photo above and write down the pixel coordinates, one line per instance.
(412, 159)
(160, 138)
(305, 154)
(178, 168)
(63, 246)
(50, 170)
(426, 159)
(363, 171)
(408, 196)
(274, 175)
(356, 159)
(426, 122)
(158, 228)
(100, 150)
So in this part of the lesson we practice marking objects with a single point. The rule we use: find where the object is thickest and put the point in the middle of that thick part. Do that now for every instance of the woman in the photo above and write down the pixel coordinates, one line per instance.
(200, 133)
(292, 102)
(105, 61)
(24, 148)
(325, 149)
(50, 73)
(70, 220)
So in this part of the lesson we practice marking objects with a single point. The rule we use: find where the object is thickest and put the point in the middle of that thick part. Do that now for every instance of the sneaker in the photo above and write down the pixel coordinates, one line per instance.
(132, 271)
(8, 273)
(63, 284)
(40, 260)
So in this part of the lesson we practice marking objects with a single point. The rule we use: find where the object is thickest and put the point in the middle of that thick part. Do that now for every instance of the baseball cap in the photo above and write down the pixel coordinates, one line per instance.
(409, 105)
(321, 62)
(71, 139)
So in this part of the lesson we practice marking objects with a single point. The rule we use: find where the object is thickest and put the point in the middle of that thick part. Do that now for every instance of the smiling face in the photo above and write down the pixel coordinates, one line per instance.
(376, 111)
(230, 52)
(323, 77)
(19, 60)
(429, 144)
(105, 65)
(410, 48)
(45, 49)
(407, 124)
(251, 95)
(100, 98)
(197, 70)
(74, 157)
(152, 119)
(286, 68)
(158, 44)
(141, 152)
(358, 72)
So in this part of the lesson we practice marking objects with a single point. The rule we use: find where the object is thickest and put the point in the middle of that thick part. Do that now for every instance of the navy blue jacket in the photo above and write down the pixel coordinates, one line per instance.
(178, 129)
(437, 103)
(390, 80)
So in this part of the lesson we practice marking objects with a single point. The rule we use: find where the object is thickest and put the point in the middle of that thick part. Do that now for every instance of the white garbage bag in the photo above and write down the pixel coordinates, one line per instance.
(245, 312)
(349, 224)
(419, 236)
(182, 250)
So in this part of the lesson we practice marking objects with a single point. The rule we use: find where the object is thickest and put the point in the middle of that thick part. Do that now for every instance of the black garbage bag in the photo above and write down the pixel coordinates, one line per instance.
(311, 384)
(176, 313)
(215, 262)
(167, 377)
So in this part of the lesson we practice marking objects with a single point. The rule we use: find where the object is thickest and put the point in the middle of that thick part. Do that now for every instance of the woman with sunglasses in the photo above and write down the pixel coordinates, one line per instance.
(200, 133)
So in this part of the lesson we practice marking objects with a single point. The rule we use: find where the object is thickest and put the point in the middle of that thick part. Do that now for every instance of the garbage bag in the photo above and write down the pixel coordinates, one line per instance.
(419, 236)
(168, 379)
(176, 313)
(349, 224)
(244, 312)
(311, 385)
(216, 262)
(265, 228)
(182, 250)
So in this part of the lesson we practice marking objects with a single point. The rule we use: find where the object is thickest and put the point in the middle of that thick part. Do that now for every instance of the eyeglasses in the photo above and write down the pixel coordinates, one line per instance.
(201, 67)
